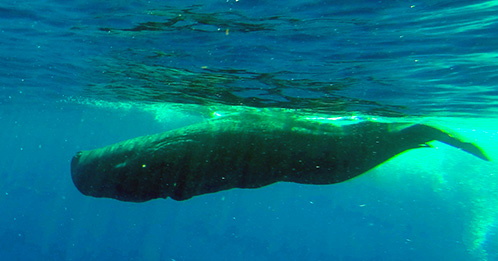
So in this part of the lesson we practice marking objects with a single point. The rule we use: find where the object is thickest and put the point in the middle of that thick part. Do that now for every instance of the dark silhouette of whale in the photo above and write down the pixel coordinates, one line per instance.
(247, 150)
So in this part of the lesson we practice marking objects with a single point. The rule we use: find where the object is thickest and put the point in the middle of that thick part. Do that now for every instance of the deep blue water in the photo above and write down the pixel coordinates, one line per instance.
(84, 74)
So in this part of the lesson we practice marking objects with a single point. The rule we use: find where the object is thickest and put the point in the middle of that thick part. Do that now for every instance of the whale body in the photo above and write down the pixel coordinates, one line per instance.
(247, 150)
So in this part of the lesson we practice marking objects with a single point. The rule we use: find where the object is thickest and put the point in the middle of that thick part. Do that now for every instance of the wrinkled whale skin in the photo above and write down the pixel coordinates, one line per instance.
(245, 151)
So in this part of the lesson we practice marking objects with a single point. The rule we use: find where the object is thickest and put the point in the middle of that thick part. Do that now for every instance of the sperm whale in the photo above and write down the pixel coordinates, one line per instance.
(247, 150)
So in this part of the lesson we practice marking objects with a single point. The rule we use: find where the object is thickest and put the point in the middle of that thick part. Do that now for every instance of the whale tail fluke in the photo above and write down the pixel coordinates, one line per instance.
(428, 133)
(465, 146)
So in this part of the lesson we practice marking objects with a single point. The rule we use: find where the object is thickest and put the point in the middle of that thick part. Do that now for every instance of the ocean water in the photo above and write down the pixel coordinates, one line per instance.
(78, 75)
